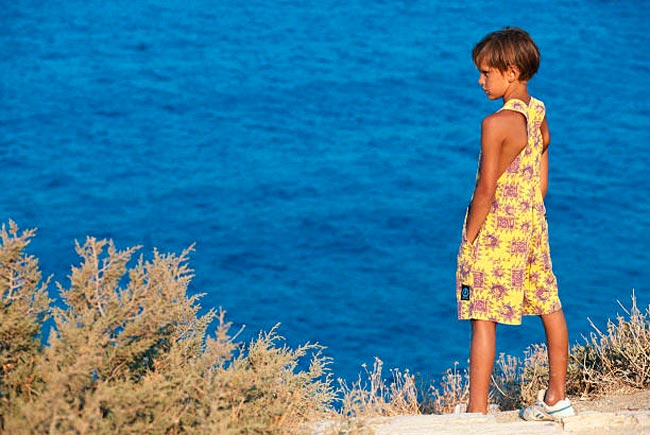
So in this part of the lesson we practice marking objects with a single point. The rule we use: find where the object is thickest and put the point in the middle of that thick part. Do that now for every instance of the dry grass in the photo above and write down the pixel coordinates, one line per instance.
(506, 389)
(612, 361)
(616, 359)
(129, 352)
(372, 395)
(535, 375)
(452, 390)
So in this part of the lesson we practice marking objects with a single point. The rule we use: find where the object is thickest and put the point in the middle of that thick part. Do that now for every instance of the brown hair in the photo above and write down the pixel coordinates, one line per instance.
(510, 46)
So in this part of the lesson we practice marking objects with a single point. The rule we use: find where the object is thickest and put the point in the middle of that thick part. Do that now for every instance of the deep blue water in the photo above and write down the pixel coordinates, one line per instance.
(321, 155)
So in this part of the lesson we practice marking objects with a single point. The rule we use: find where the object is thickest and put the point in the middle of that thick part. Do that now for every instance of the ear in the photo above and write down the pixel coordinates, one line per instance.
(513, 73)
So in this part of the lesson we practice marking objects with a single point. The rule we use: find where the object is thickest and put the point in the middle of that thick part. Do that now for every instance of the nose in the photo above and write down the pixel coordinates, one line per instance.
(480, 79)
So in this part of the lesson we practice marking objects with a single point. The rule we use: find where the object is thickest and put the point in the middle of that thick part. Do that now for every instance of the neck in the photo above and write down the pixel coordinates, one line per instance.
(517, 90)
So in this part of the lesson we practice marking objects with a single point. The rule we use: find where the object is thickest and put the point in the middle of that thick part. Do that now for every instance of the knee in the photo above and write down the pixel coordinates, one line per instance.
(484, 326)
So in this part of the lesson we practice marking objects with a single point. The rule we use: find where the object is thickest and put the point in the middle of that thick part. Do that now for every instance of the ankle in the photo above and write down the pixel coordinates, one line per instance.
(552, 397)
(476, 409)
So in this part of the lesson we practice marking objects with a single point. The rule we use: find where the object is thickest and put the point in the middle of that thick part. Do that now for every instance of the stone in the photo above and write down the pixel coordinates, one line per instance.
(586, 422)
(616, 422)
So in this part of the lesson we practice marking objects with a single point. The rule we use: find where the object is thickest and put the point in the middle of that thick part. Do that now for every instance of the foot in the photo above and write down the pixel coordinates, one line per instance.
(540, 411)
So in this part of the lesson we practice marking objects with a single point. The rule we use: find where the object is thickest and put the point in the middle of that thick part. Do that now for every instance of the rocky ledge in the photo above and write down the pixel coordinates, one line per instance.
(588, 422)
(613, 414)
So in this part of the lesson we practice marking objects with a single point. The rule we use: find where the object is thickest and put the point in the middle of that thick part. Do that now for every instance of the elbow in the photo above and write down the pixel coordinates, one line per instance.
(484, 194)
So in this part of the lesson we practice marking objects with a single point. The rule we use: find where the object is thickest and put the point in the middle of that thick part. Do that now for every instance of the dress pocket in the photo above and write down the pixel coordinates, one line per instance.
(464, 239)
(467, 248)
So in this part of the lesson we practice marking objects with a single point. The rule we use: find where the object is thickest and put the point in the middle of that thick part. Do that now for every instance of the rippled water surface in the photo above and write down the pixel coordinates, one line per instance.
(321, 155)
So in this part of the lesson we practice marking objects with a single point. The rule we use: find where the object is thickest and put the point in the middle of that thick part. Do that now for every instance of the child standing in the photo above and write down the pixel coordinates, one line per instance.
(504, 265)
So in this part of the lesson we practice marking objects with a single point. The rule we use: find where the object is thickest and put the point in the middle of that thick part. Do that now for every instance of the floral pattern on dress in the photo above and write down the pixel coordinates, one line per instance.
(508, 267)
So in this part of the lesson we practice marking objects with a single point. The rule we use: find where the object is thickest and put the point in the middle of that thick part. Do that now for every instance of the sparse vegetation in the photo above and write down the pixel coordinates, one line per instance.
(372, 396)
(24, 306)
(129, 352)
(615, 359)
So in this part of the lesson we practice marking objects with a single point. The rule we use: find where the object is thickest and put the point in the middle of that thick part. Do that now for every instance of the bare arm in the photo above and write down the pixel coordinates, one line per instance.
(546, 136)
(492, 137)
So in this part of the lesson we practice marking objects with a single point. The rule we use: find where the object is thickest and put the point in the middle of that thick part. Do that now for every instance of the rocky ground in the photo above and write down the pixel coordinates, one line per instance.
(615, 402)
(613, 414)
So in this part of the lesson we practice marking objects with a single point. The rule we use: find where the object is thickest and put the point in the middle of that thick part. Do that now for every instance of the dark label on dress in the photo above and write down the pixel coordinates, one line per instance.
(464, 293)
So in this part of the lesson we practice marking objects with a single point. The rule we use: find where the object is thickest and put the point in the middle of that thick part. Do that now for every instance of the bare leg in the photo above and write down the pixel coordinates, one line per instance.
(481, 361)
(557, 342)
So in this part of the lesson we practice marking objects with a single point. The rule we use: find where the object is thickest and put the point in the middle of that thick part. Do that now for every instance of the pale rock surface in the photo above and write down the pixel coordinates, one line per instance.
(612, 414)
(588, 422)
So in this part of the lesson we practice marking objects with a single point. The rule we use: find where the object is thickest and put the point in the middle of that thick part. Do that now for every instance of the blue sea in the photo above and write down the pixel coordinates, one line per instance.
(321, 155)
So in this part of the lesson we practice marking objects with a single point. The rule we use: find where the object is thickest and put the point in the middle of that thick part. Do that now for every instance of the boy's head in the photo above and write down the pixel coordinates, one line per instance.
(508, 47)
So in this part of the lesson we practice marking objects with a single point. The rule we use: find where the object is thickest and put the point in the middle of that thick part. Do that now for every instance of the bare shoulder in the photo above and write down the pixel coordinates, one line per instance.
(502, 121)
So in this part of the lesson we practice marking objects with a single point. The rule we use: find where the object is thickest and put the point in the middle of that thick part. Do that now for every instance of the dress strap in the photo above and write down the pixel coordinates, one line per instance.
(517, 105)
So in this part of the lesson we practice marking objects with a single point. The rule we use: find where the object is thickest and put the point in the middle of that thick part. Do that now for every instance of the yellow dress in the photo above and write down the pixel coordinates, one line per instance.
(507, 271)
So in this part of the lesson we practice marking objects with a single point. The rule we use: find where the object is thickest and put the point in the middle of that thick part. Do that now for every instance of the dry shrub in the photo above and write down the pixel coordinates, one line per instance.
(616, 359)
(453, 389)
(506, 387)
(24, 306)
(535, 375)
(121, 356)
(263, 387)
(373, 396)
(129, 353)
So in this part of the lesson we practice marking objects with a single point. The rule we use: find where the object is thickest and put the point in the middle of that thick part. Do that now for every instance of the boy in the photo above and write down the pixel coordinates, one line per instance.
(504, 265)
